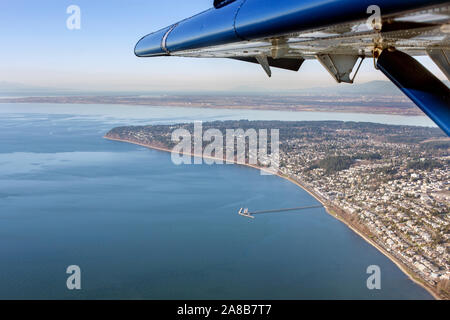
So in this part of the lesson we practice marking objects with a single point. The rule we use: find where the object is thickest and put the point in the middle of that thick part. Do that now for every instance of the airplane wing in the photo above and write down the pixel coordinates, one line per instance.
(338, 33)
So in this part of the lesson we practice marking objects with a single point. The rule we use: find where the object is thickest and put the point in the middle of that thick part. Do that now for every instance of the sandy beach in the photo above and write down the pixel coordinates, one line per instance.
(398, 263)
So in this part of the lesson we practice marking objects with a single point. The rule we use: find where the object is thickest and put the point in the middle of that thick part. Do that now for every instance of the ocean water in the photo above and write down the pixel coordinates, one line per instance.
(141, 227)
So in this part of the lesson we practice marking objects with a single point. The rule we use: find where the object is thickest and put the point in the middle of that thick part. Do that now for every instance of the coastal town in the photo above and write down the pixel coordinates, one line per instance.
(395, 192)
(391, 184)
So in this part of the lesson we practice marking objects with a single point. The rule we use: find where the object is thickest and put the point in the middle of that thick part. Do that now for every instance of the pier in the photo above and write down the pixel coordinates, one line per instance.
(246, 213)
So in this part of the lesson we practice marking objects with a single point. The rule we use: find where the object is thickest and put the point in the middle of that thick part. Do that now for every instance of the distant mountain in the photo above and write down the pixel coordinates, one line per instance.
(368, 88)
(11, 89)
(10, 86)
(372, 88)
(19, 89)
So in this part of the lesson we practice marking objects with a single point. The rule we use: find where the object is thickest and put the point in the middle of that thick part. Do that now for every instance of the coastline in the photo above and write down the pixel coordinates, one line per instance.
(343, 110)
(398, 263)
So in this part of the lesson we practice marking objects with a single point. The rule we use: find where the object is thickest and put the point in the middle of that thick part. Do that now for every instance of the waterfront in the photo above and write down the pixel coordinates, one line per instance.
(141, 227)
(385, 222)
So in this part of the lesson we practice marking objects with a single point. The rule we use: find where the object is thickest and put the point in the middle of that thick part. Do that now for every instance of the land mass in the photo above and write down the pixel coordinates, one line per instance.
(373, 104)
(389, 184)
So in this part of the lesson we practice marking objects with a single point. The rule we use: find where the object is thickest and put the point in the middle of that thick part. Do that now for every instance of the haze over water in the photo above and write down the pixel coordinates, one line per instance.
(142, 227)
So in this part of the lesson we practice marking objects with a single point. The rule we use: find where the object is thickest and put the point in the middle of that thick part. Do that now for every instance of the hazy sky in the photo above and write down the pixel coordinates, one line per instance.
(38, 49)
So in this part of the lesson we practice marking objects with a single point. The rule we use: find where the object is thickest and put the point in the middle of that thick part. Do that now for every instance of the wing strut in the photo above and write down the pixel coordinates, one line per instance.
(429, 93)
(262, 60)
(442, 59)
(340, 66)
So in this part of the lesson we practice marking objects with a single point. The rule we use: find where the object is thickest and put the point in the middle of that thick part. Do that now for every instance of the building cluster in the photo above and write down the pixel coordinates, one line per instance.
(405, 207)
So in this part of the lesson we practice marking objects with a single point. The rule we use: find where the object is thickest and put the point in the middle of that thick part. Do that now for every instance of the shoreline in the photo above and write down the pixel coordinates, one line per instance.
(365, 237)
(4, 100)
(398, 263)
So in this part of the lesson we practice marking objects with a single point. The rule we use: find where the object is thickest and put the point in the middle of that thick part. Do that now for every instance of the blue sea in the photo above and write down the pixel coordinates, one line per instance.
(141, 227)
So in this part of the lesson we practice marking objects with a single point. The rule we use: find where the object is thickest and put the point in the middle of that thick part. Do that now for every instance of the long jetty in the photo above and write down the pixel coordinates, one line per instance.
(286, 209)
